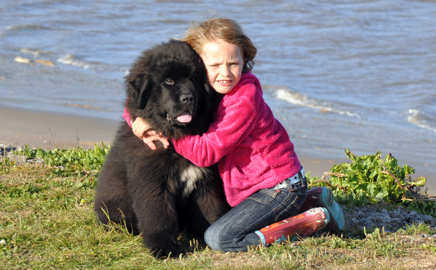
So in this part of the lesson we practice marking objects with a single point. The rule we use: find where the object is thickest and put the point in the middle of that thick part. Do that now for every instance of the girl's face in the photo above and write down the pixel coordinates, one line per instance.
(223, 63)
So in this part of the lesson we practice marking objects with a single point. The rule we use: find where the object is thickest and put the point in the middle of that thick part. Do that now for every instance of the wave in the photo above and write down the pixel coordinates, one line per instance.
(421, 120)
(27, 27)
(70, 59)
(84, 106)
(302, 100)
(34, 52)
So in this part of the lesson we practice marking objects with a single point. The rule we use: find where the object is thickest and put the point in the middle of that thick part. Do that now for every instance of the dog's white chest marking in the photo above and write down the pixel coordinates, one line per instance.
(190, 176)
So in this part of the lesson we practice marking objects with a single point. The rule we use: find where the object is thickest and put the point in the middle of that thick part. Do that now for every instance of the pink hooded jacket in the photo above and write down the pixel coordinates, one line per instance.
(251, 147)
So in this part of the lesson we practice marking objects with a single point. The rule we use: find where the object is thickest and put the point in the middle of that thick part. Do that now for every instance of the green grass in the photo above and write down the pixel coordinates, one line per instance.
(47, 222)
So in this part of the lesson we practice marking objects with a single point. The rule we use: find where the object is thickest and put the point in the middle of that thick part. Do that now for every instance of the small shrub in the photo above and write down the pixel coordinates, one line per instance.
(372, 179)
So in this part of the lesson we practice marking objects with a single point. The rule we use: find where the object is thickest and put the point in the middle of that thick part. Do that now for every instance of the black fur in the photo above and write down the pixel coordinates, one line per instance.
(149, 190)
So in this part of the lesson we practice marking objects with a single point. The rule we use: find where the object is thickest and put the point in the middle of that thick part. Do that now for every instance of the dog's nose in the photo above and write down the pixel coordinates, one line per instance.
(187, 98)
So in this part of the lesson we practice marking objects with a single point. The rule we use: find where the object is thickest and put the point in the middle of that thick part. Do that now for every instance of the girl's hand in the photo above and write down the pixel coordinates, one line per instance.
(142, 130)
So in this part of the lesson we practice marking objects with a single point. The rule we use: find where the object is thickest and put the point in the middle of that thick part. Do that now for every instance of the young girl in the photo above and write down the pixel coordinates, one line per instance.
(263, 179)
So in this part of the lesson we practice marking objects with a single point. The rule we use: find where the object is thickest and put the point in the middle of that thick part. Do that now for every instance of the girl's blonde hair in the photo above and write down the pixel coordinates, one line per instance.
(225, 29)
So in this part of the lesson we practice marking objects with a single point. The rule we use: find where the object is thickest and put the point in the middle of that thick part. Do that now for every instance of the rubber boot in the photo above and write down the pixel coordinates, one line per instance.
(304, 224)
(323, 197)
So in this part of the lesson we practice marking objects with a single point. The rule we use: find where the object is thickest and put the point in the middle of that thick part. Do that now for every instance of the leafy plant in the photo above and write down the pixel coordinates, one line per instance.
(69, 162)
(371, 179)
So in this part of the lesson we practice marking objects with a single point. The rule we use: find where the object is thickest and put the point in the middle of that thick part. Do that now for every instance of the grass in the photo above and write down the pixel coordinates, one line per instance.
(47, 222)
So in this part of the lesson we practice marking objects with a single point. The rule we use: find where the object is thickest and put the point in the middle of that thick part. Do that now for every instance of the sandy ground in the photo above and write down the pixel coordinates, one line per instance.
(19, 127)
(48, 130)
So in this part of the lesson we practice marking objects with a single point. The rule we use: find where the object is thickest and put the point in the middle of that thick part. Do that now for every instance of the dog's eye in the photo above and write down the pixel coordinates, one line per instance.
(169, 81)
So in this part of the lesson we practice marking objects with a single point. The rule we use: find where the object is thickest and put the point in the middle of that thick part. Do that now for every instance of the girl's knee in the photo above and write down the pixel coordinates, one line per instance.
(212, 238)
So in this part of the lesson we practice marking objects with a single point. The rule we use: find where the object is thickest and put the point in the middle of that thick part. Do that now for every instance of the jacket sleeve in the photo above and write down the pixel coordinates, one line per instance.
(127, 118)
(234, 122)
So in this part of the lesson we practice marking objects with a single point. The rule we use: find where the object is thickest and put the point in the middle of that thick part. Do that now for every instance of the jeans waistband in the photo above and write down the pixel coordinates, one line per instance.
(295, 182)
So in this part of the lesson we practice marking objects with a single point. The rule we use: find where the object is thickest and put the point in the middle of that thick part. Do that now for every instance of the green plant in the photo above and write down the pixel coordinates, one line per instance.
(371, 179)
(6, 164)
(70, 162)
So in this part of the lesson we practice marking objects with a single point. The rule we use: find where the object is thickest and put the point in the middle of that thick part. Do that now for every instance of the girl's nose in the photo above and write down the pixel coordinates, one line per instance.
(225, 69)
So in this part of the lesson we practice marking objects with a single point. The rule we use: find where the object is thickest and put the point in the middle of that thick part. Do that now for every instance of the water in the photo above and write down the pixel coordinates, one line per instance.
(338, 74)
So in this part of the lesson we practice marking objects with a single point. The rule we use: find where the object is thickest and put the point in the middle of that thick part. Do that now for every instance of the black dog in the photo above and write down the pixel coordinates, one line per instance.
(159, 193)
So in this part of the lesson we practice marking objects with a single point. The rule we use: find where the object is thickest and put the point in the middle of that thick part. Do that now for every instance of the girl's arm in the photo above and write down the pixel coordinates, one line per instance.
(233, 124)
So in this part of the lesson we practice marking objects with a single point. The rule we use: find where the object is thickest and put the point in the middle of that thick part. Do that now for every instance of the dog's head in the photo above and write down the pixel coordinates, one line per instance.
(168, 87)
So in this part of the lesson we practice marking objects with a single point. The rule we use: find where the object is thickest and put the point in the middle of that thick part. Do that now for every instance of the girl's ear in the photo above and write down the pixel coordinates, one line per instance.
(139, 90)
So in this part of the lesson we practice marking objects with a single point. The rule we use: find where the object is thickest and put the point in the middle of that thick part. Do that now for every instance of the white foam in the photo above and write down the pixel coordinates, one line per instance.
(26, 27)
(70, 59)
(302, 100)
(420, 119)
(33, 52)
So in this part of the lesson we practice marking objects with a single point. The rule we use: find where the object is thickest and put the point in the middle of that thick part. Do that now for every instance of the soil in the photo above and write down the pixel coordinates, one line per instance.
(390, 218)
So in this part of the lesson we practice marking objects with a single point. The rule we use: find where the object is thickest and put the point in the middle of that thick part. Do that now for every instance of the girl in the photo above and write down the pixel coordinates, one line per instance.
(263, 179)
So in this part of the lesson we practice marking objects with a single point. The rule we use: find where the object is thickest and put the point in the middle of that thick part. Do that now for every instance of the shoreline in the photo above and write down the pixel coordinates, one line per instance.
(52, 129)
(19, 127)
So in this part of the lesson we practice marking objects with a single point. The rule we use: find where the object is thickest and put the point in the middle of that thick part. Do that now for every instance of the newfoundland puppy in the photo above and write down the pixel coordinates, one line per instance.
(160, 194)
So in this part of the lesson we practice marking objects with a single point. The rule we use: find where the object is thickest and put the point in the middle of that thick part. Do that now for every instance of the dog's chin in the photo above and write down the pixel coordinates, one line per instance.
(177, 129)
(181, 125)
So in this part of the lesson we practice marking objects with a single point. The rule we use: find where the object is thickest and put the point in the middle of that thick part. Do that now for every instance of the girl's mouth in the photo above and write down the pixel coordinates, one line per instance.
(225, 82)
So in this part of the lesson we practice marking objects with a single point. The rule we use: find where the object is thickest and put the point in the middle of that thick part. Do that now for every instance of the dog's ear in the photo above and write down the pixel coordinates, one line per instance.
(208, 88)
(139, 89)
(214, 95)
(214, 98)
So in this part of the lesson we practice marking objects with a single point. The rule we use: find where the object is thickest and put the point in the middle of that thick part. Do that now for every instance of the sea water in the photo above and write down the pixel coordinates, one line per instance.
(357, 74)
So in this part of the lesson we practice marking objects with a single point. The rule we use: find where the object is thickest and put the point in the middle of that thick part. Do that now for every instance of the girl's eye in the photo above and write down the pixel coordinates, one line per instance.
(169, 81)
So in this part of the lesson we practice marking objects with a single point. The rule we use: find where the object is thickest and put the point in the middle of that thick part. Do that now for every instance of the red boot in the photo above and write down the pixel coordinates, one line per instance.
(304, 224)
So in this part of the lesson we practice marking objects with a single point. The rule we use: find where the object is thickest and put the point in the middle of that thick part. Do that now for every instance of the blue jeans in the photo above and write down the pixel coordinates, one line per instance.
(235, 230)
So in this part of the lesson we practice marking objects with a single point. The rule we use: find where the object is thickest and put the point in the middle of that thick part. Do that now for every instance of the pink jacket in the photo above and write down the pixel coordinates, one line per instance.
(251, 147)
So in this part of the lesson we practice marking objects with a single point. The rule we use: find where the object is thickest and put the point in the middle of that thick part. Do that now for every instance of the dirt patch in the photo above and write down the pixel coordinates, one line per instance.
(390, 218)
